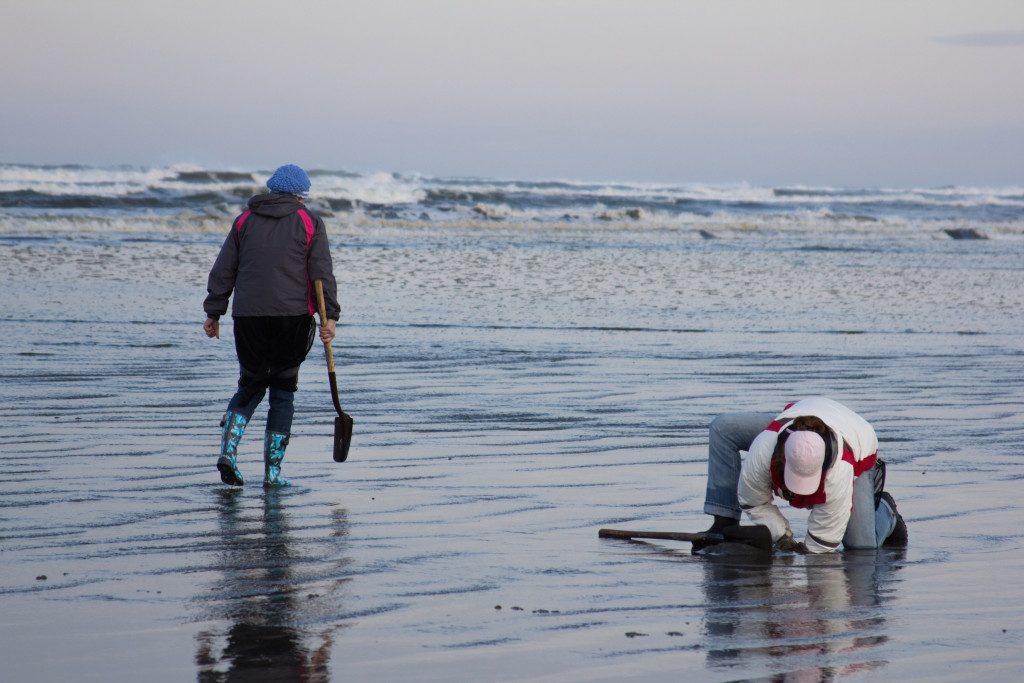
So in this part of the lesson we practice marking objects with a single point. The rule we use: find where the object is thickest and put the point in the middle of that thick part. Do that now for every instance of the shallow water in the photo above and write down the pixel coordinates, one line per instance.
(515, 388)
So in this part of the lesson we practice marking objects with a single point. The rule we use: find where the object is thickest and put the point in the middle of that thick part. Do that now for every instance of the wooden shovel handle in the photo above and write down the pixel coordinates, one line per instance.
(665, 535)
(322, 308)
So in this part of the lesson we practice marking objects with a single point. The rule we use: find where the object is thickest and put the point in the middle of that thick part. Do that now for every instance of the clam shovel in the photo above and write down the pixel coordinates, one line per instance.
(343, 422)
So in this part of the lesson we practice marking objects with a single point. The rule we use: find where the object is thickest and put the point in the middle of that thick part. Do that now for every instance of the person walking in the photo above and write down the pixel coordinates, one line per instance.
(816, 454)
(273, 253)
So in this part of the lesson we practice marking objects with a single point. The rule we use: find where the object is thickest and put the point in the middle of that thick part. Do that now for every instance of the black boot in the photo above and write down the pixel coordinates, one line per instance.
(898, 537)
(716, 528)
(720, 523)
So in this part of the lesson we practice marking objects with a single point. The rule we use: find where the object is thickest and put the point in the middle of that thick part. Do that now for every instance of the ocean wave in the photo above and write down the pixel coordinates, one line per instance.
(126, 193)
(215, 177)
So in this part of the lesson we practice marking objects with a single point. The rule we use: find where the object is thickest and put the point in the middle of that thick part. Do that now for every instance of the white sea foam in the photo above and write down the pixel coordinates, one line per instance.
(375, 188)
(73, 180)
(178, 196)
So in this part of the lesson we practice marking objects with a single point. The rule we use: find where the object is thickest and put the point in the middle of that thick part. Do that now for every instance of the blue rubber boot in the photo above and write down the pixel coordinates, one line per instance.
(234, 426)
(274, 444)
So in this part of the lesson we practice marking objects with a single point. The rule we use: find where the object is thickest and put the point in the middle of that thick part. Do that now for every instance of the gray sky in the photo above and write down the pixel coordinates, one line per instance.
(897, 92)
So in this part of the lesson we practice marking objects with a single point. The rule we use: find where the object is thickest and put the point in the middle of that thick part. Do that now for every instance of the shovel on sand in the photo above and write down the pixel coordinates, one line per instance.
(343, 422)
(755, 536)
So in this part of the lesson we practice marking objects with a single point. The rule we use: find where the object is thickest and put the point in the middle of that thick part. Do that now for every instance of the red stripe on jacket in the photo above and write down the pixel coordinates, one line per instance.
(307, 221)
(239, 223)
(859, 466)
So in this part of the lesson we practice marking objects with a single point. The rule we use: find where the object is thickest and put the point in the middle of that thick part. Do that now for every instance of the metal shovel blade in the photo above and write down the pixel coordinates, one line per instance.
(342, 436)
(754, 536)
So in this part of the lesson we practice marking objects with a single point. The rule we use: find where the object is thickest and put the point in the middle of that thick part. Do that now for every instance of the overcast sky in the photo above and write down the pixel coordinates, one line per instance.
(899, 92)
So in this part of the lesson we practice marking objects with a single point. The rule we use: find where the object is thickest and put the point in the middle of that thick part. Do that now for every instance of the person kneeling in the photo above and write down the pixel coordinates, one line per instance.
(816, 454)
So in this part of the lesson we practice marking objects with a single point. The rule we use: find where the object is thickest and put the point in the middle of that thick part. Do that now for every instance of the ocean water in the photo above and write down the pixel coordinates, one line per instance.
(526, 363)
(141, 199)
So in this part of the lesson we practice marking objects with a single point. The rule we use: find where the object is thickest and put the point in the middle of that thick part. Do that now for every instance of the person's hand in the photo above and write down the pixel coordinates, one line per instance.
(788, 544)
(212, 328)
(327, 331)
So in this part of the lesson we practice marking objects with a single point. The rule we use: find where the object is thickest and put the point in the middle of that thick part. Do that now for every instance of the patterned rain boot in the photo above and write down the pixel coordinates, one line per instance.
(234, 426)
(274, 444)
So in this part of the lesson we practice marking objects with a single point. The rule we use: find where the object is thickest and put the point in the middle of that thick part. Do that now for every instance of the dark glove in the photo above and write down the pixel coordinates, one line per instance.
(788, 544)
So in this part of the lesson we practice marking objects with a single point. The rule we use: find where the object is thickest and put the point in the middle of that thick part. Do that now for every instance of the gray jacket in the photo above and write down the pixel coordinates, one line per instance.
(271, 257)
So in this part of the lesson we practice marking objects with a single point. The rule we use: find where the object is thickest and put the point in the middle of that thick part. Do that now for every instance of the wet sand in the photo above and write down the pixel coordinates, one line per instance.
(514, 391)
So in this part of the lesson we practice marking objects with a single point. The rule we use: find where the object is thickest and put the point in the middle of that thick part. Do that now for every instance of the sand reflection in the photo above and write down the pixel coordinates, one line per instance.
(814, 618)
(263, 597)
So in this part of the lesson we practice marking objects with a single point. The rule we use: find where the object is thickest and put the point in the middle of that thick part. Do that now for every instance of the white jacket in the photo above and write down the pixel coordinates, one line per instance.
(855, 446)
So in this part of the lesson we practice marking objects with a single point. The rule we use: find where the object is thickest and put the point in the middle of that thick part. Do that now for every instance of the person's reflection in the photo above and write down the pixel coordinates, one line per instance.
(259, 596)
(824, 613)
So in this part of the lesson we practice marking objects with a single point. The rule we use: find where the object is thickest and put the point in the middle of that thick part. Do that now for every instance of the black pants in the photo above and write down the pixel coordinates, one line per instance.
(270, 350)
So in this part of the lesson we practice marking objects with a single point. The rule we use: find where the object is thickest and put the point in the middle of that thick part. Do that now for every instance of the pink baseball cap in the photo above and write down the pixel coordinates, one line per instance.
(805, 454)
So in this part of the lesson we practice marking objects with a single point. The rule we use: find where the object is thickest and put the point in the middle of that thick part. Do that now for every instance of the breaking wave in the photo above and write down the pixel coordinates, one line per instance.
(179, 192)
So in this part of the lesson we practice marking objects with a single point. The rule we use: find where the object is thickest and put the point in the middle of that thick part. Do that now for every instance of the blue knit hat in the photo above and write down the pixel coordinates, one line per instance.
(289, 178)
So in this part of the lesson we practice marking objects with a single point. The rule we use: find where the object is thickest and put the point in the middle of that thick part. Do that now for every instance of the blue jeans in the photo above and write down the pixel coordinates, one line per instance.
(868, 525)
(282, 407)
(734, 432)
(728, 435)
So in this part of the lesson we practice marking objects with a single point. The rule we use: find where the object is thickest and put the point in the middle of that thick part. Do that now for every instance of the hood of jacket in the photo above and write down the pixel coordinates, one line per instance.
(274, 204)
